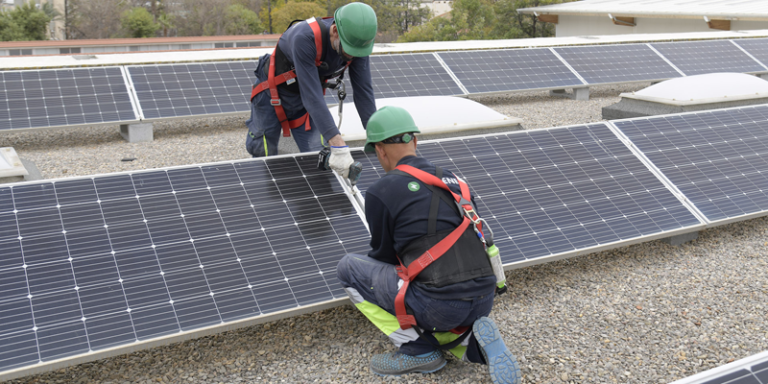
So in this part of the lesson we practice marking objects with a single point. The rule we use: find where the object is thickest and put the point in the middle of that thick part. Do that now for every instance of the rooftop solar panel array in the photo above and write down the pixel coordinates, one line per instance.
(551, 192)
(700, 57)
(509, 70)
(617, 63)
(178, 90)
(52, 98)
(93, 263)
(60, 97)
(717, 159)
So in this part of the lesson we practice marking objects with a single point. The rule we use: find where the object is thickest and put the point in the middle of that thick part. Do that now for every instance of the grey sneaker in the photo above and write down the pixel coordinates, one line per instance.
(502, 364)
(396, 363)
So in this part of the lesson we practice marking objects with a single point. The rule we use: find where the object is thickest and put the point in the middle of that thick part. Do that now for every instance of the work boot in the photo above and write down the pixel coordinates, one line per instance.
(396, 363)
(502, 364)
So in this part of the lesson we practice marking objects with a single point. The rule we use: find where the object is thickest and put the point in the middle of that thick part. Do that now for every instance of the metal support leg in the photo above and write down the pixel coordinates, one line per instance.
(137, 133)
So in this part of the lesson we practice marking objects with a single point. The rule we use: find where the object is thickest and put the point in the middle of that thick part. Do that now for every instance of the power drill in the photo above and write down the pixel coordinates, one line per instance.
(354, 170)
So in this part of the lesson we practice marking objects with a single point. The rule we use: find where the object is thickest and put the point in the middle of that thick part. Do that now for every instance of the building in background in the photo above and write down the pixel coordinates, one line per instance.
(613, 17)
(438, 7)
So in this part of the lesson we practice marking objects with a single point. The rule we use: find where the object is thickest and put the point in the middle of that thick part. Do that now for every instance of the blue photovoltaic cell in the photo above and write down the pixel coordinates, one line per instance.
(60, 97)
(756, 47)
(404, 75)
(548, 192)
(699, 57)
(715, 158)
(617, 63)
(509, 70)
(175, 90)
(92, 263)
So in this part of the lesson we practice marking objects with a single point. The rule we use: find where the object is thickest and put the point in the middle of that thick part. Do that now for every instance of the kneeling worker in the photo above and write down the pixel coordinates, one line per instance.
(428, 282)
(290, 83)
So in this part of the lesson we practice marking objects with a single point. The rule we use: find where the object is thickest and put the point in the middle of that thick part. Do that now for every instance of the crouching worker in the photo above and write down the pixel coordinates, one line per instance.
(427, 283)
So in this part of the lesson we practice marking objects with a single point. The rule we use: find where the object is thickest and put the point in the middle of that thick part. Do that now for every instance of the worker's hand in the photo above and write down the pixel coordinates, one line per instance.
(340, 160)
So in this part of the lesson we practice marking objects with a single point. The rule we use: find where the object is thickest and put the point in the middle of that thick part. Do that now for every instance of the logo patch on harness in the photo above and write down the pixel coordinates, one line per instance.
(414, 186)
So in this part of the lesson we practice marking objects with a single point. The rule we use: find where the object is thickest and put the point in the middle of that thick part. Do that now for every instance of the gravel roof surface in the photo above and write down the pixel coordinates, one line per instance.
(647, 313)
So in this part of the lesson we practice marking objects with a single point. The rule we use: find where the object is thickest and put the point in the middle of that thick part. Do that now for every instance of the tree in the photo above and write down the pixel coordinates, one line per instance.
(242, 21)
(95, 19)
(25, 22)
(293, 10)
(139, 22)
(166, 23)
(202, 17)
(469, 20)
(522, 25)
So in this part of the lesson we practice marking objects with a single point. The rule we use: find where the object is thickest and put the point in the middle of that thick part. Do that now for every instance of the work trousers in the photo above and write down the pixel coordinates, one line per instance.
(372, 286)
(264, 129)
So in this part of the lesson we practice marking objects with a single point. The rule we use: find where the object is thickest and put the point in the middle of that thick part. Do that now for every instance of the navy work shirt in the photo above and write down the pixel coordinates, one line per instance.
(298, 45)
(397, 216)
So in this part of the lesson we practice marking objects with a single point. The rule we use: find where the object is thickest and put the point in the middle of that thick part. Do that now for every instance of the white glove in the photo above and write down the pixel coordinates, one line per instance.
(340, 160)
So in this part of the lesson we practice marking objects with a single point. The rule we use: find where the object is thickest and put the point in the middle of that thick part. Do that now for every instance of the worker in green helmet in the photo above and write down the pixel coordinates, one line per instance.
(427, 282)
(290, 83)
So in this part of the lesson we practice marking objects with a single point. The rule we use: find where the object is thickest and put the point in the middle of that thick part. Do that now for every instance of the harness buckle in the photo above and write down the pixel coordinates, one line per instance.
(275, 102)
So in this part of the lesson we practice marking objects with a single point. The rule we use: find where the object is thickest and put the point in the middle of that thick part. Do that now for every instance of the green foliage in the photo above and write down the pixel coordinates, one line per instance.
(166, 23)
(242, 21)
(484, 19)
(9, 30)
(139, 22)
(294, 10)
(25, 22)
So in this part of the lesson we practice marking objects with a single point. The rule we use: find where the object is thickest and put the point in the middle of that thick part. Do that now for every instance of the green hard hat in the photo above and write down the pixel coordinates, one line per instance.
(387, 122)
(356, 23)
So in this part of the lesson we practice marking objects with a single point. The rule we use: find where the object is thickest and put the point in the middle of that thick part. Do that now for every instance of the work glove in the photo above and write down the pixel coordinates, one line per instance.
(340, 160)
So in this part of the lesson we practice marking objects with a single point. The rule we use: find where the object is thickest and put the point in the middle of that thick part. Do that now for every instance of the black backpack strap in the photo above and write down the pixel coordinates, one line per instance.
(434, 204)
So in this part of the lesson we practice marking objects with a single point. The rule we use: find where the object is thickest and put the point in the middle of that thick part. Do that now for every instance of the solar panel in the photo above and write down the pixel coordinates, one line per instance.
(699, 57)
(715, 158)
(405, 75)
(177, 90)
(53, 98)
(758, 48)
(750, 370)
(548, 193)
(509, 70)
(92, 263)
(617, 63)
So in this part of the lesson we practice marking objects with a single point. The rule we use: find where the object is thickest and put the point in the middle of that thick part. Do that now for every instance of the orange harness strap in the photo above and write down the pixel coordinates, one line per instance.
(273, 81)
(408, 274)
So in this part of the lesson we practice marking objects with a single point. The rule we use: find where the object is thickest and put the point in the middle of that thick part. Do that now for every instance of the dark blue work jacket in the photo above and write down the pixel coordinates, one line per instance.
(298, 45)
(397, 215)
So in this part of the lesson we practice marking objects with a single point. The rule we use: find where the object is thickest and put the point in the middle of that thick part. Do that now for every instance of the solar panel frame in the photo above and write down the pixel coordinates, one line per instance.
(705, 196)
(236, 103)
(371, 166)
(588, 60)
(50, 96)
(530, 60)
(749, 370)
(77, 219)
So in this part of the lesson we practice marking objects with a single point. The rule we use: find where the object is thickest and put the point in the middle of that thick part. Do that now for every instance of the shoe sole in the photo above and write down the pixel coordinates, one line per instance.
(415, 370)
(502, 364)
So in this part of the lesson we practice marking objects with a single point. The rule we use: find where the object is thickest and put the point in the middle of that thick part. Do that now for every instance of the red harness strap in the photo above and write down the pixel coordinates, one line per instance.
(273, 81)
(409, 274)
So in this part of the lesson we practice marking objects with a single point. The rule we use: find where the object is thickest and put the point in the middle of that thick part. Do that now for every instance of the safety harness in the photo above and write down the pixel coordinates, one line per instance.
(273, 80)
(409, 273)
